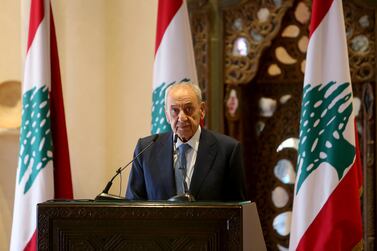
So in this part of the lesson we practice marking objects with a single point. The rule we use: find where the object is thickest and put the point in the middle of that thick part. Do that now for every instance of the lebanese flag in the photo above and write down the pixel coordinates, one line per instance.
(43, 167)
(326, 207)
(174, 56)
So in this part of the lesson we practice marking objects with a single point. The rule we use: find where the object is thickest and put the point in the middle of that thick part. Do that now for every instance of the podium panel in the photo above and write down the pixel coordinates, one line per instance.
(101, 225)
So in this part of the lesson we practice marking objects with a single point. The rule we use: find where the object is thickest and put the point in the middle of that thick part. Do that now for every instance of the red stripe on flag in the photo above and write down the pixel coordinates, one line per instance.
(62, 168)
(36, 17)
(32, 244)
(319, 10)
(166, 11)
(338, 224)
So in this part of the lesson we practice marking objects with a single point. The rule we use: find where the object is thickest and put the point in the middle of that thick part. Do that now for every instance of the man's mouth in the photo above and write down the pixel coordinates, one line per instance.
(183, 125)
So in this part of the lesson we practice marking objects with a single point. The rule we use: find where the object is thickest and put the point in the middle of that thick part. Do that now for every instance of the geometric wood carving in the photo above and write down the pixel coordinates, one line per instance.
(93, 225)
(261, 27)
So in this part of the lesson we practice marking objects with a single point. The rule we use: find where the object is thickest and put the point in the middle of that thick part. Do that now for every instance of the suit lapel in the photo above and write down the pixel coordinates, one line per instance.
(164, 164)
(204, 160)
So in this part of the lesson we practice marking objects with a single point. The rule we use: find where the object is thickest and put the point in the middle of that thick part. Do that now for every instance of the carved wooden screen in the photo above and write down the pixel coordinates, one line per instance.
(265, 46)
(264, 49)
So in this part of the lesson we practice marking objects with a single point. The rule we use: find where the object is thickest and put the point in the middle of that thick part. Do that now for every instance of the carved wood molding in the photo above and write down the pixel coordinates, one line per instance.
(360, 28)
(126, 227)
(256, 23)
(201, 30)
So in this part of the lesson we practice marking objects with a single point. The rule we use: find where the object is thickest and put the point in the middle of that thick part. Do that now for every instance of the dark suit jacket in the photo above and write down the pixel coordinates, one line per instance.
(218, 171)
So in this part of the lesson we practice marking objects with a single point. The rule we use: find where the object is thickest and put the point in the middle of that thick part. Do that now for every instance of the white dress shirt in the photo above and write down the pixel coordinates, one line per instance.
(191, 154)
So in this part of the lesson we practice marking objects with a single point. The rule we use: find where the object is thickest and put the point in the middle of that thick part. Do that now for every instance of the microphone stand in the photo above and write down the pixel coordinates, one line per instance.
(104, 195)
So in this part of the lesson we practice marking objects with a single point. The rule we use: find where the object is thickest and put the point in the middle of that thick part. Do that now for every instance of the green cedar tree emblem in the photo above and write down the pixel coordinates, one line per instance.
(159, 122)
(326, 109)
(35, 138)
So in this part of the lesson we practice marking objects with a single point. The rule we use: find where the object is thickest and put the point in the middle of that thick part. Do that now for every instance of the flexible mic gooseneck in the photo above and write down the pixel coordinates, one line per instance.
(105, 193)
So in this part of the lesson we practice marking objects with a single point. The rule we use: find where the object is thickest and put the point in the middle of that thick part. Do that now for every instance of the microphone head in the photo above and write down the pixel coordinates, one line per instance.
(186, 197)
(175, 138)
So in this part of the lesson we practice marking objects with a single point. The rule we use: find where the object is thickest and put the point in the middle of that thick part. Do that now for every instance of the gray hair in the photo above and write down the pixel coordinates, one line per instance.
(194, 87)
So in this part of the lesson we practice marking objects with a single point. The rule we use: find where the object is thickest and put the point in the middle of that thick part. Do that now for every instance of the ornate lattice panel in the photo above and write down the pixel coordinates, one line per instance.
(270, 146)
(249, 29)
(361, 36)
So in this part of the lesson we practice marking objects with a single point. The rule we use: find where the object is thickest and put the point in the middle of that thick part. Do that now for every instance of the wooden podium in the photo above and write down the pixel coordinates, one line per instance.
(101, 225)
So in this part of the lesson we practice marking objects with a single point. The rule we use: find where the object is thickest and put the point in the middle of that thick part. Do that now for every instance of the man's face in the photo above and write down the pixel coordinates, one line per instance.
(184, 111)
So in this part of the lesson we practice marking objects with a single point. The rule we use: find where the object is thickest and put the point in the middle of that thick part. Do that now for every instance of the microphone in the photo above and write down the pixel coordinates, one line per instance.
(105, 193)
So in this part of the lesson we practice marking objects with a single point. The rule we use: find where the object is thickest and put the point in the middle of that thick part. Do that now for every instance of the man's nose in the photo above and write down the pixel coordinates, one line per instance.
(182, 116)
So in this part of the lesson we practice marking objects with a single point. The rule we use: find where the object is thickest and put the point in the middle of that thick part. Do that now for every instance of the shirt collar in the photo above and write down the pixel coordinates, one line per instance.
(193, 142)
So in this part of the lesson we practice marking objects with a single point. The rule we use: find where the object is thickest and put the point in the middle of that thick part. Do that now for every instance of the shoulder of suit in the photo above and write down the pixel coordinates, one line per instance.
(149, 138)
(222, 137)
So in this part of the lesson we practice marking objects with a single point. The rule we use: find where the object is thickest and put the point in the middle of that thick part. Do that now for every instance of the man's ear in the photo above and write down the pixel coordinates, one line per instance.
(202, 110)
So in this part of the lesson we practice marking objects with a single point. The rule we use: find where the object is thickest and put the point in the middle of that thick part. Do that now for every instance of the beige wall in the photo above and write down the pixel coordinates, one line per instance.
(106, 56)
(10, 69)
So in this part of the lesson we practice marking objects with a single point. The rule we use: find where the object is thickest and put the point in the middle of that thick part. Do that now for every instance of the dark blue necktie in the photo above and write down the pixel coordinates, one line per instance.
(180, 171)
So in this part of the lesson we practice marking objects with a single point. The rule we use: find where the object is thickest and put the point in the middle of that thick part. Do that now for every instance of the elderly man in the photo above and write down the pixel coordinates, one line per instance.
(190, 159)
